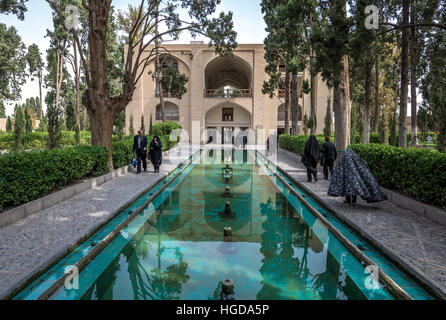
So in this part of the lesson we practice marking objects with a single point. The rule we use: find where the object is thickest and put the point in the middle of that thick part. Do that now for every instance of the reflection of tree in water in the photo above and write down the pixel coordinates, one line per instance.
(158, 284)
(284, 276)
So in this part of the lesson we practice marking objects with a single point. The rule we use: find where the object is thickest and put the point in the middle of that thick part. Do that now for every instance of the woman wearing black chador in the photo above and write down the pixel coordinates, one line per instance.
(156, 153)
(352, 178)
(311, 157)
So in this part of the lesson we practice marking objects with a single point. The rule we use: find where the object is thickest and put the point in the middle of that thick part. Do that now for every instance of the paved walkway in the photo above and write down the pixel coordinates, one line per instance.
(417, 240)
(32, 243)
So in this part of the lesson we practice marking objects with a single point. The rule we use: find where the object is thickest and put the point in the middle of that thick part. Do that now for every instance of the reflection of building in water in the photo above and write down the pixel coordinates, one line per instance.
(224, 94)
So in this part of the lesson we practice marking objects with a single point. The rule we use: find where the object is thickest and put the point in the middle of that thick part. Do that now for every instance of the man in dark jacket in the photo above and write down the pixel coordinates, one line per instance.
(328, 157)
(140, 147)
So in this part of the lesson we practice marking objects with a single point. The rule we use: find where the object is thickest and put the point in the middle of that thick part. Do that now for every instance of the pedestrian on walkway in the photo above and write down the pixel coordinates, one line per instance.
(156, 153)
(140, 148)
(311, 157)
(328, 157)
(352, 178)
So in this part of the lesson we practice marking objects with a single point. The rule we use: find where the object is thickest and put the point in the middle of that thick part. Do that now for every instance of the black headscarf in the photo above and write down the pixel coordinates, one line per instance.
(352, 177)
(311, 153)
(312, 148)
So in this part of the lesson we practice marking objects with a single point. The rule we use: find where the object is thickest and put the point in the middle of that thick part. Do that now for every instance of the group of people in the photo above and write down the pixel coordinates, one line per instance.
(154, 154)
(351, 177)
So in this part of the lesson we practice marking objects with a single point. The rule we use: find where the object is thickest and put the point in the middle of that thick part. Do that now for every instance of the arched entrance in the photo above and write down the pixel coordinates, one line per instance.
(171, 112)
(228, 77)
(227, 123)
(281, 118)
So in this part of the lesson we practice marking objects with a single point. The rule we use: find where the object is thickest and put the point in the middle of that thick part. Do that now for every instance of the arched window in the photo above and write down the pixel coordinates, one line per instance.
(171, 112)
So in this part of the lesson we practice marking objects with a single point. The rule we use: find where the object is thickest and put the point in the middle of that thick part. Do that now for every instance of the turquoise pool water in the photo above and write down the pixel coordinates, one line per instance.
(175, 249)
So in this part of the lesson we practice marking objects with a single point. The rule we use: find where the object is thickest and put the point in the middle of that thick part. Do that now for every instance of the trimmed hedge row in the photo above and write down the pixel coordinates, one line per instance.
(37, 140)
(25, 176)
(418, 173)
(296, 144)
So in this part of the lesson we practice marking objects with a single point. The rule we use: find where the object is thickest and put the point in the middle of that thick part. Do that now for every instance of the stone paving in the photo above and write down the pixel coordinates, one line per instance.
(30, 244)
(416, 239)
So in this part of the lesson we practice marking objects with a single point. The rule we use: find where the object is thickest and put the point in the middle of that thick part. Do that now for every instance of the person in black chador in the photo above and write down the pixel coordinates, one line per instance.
(328, 157)
(140, 148)
(156, 153)
(311, 157)
(352, 178)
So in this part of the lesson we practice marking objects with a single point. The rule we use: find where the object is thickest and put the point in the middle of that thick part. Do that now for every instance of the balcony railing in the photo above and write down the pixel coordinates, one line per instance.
(165, 95)
(227, 93)
(282, 93)
(173, 116)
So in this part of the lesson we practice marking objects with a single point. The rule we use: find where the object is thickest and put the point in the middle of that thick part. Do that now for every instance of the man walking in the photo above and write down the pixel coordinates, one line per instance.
(140, 147)
(328, 156)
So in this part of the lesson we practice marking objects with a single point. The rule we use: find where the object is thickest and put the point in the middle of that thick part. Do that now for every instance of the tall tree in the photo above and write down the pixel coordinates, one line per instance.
(2, 109)
(330, 44)
(8, 124)
(102, 107)
(19, 126)
(17, 7)
(35, 65)
(12, 63)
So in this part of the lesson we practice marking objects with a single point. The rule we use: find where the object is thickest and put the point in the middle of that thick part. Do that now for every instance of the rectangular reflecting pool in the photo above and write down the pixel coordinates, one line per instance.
(176, 248)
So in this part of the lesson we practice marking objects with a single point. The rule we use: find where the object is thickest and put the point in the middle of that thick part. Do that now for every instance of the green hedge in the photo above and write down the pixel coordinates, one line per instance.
(37, 140)
(418, 173)
(164, 128)
(26, 176)
(296, 144)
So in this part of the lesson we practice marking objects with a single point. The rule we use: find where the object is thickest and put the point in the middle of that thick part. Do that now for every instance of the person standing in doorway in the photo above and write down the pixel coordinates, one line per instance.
(140, 148)
(156, 153)
(328, 157)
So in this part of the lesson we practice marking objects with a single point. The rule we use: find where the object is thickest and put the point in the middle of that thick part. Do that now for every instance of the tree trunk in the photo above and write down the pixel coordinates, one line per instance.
(157, 65)
(294, 104)
(342, 116)
(77, 81)
(40, 94)
(100, 106)
(60, 55)
(413, 80)
(404, 76)
(287, 102)
(368, 89)
(101, 124)
(376, 92)
(314, 89)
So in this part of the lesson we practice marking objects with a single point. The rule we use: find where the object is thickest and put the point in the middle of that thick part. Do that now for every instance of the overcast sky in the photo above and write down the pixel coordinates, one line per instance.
(248, 22)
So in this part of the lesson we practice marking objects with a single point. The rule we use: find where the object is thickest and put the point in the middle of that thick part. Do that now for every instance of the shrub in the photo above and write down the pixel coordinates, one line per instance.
(26, 176)
(418, 173)
(165, 128)
(122, 152)
(296, 144)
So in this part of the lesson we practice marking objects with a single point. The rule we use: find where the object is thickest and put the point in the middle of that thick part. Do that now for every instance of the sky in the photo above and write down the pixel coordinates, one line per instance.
(247, 17)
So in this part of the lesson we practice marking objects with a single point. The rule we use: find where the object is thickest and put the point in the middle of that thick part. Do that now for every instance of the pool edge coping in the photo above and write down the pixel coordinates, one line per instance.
(47, 265)
(419, 276)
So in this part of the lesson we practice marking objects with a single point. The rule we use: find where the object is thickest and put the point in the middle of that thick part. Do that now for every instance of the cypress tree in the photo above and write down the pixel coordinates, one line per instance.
(77, 137)
(328, 119)
(2, 109)
(132, 129)
(28, 122)
(19, 127)
(8, 125)
(151, 126)
(143, 126)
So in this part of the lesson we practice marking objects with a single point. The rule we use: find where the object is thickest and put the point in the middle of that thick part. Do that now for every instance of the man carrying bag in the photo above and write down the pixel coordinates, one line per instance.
(140, 148)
